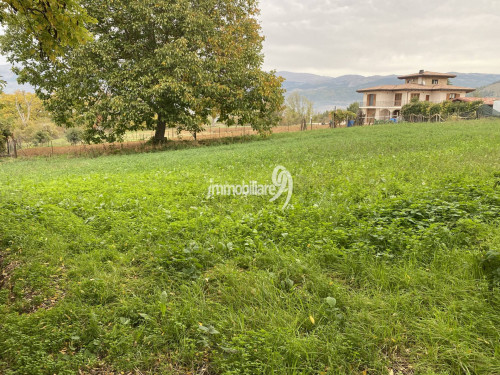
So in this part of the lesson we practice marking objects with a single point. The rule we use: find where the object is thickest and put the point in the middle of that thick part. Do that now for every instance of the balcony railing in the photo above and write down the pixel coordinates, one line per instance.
(387, 104)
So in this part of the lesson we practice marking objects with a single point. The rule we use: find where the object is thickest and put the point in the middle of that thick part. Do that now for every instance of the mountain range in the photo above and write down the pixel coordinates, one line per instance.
(490, 91)
(327, 92)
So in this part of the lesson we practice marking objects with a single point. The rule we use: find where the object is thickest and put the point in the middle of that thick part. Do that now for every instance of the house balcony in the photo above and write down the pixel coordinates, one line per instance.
(382, 104)
(393, 104)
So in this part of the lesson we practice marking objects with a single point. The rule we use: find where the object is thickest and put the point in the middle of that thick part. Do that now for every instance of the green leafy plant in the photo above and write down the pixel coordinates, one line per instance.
(387, 257)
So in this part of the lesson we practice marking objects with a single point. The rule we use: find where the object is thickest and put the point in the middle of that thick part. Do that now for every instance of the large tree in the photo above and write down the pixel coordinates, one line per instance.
(157, 64)
(23, 119)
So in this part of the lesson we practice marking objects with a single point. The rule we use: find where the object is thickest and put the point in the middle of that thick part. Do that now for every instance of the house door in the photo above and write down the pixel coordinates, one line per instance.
(370, 116)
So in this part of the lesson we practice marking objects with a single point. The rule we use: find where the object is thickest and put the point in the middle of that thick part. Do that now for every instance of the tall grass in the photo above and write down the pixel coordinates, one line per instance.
(387, 259)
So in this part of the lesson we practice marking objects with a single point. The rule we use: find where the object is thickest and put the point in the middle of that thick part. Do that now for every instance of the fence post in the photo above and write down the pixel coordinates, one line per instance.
(15, 149)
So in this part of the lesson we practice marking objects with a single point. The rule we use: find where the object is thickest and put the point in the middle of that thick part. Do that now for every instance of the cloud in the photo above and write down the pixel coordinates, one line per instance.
(335, 37)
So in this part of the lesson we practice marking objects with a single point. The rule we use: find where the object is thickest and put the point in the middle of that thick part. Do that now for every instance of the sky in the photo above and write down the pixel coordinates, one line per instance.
(371, 37)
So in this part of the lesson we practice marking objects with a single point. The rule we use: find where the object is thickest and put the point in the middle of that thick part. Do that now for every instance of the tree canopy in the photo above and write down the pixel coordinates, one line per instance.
(156, 64)
(353, 107)
(298, 109)
(53, 24)
(23, 117)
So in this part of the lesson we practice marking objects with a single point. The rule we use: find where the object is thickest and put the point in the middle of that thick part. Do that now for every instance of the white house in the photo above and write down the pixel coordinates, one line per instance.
(385, 102)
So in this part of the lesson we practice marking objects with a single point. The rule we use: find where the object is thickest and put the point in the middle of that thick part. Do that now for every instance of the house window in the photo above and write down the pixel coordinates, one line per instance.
(372, 100)
(453, 96)
(415, 97)
(398, 100)
(427, 98)
(435, 81)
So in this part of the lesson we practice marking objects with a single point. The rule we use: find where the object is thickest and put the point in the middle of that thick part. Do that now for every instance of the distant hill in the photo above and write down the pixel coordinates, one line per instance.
(490, 91)
(328, 92)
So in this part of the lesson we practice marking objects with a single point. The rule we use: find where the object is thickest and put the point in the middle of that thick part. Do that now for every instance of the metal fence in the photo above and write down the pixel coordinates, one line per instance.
(139, 141)
(484, 111)
(488, 111)
(8, 148)
(390, 104)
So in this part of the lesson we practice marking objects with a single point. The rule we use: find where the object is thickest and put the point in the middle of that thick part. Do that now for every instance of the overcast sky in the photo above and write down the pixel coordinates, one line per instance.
(336, 37)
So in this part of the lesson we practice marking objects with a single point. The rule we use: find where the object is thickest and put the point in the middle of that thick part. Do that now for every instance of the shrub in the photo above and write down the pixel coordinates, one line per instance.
(434, 109)
(417, 108)
(41, 137)
(446, 109)
(74, 136)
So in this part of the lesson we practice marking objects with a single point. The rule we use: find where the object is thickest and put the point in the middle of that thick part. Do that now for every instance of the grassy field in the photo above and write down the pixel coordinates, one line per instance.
(386, 262)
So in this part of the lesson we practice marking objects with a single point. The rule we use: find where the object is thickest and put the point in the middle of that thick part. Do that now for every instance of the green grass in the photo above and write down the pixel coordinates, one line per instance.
(391, 246)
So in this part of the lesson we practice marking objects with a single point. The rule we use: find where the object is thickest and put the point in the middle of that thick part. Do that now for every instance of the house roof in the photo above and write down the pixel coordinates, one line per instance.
(428, 74)
(487, 101)
(417, 87)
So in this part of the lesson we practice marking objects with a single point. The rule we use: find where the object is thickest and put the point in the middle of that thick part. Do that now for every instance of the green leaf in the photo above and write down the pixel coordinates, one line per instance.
(332, 302)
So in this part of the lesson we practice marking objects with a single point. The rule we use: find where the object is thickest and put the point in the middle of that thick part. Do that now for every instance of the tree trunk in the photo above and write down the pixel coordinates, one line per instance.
(15, 148)
(160, 131)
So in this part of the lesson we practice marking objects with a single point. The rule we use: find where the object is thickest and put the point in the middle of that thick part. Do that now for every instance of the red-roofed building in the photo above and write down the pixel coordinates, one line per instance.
(385, 102)
(486, 101)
